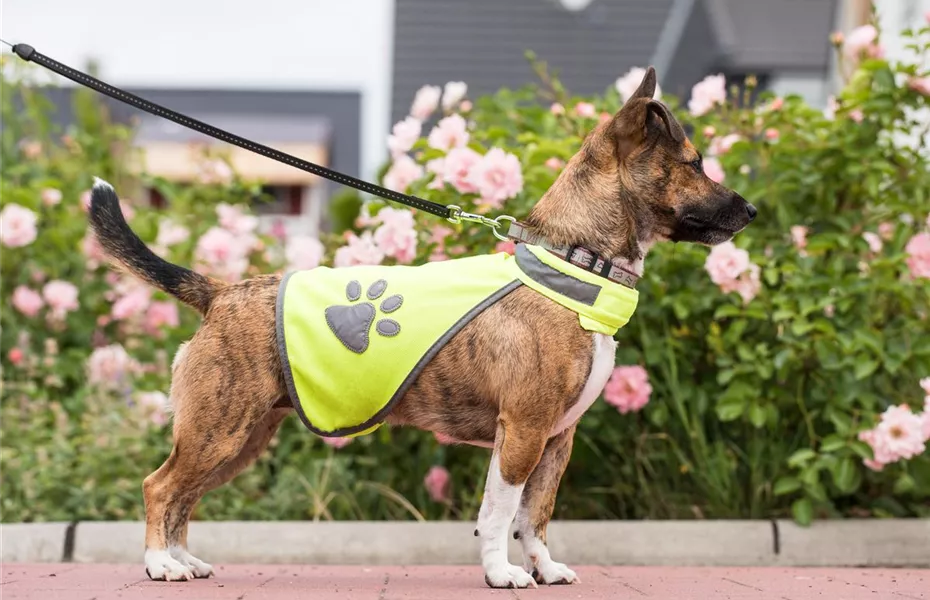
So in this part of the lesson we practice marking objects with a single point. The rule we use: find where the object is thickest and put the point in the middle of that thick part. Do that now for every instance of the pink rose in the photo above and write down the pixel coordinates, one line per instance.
(337, 442)
(707, 93)
(437, 482)
(829, 112)
(171, 234)
(925, 386)
(110, 366)
(450, 132)
(85, 200)
(161, 314)
(425, 102)
(404, 135)
(27, 301)
(604, 117)
(921, 85)
(444, 439)
(235, 219)
(156, 405)
(303, 252)
(453, 94)
(403, 172)
(747, 285)
(713, 169)
(17, 226)
(51, 197)
(799, 236)
(886, 230)
(710, 131)
(585, 110)
(92, 250)
(726, 262)
(132, 304)
(359, 251)
(465, 106)
(214, 171)
(458, 167)
(902, 431)
(436, 167)
(860, 42)
(856, 115)
(629, 83)
(223, 253)
(772, 134)
(16, 356)
(874, 242)
(557, 109)
(555, 163)
(628, 389)
(508, 246)
(918, 251)
(30, 148)
(497, 177)
(61, 297)
(396, 236)
(777, 103)
(722, 145)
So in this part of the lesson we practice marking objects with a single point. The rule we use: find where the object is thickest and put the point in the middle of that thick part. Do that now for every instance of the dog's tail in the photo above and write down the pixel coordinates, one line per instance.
(125, 247)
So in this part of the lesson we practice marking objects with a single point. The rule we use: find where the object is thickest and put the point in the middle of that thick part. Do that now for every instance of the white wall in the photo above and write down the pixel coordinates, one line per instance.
(333, 45)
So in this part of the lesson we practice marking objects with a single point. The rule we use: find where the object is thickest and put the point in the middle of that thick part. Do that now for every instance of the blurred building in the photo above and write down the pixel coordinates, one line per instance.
(326, 79)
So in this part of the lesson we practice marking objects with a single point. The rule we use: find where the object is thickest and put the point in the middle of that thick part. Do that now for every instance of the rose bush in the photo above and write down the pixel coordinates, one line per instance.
(776, 375)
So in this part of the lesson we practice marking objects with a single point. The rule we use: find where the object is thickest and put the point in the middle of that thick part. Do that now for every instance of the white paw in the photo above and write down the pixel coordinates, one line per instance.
(196, 566)
(554, 573)
(161, 567)
(508, 576)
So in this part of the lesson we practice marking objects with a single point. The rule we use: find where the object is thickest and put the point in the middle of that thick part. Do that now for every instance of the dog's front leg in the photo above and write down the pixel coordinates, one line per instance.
(516, 453)
(536, 506)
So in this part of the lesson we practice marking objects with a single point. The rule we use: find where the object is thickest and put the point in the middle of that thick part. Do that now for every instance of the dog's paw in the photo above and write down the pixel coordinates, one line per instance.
(351, 323)
(553, 573)
(160, 566)
(508, 576)
(200, 569)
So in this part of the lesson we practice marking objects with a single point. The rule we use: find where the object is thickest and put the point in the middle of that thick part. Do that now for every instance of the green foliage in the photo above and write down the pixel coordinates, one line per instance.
(756, 406)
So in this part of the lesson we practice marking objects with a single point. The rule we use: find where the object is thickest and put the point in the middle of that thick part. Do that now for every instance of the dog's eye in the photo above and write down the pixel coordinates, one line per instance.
(697, 165)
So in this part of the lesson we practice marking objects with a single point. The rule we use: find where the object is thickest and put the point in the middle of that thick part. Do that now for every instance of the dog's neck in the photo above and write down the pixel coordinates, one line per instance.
(588, 208)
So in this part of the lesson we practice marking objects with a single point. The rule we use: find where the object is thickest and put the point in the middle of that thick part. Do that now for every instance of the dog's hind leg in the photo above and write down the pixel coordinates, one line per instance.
(256, 444)
(222, 409)
(536, 506)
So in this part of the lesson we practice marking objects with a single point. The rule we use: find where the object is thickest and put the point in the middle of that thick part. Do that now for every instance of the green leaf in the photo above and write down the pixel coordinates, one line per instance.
(786, 485)
(904, 484)
(757, 415)
(803, 511)
(865, 366)
(801, 457)
(832, 443)
(730, 409)
(844, 474)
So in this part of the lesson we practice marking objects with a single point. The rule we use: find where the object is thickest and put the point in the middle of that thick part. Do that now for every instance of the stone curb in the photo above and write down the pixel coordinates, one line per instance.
(859, 543)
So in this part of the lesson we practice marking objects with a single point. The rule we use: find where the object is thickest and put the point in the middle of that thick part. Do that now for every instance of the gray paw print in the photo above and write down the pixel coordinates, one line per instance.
(352, 323)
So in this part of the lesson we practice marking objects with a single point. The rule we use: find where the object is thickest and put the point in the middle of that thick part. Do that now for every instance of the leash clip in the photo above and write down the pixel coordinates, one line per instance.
(459, 216)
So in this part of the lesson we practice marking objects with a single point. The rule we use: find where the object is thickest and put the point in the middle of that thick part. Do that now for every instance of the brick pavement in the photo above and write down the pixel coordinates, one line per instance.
(277, 582)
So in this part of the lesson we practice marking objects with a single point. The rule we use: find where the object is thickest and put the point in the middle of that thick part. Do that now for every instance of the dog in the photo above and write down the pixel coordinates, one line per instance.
(516, 378)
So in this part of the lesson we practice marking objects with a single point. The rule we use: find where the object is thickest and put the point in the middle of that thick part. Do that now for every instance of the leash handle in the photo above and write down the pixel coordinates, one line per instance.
(30, 54)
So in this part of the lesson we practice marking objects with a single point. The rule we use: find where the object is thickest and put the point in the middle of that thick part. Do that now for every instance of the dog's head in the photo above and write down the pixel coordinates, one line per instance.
(637, 180)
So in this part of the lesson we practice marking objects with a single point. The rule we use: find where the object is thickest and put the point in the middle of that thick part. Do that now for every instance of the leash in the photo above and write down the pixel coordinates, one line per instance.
(451, 212)
(576, 255)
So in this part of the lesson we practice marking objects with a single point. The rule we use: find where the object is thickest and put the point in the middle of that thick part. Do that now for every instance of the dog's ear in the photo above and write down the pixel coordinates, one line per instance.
(672, 126)
(647, 88)
(632, 125)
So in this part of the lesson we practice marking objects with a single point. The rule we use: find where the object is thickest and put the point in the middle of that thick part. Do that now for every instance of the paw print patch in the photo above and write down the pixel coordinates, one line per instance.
(352, 323)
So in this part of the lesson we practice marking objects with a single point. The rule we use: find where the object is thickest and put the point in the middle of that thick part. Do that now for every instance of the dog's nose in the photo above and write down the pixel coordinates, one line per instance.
(751, 210)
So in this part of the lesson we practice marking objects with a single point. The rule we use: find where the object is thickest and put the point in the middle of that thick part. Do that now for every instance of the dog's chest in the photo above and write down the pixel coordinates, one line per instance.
(602, 364)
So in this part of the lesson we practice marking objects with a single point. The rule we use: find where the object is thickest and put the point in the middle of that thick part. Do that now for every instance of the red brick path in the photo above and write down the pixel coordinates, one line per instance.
(274, 582)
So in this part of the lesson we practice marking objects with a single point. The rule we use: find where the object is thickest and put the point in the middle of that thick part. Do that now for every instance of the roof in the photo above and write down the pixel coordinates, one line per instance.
(482, 42)
(757, 35)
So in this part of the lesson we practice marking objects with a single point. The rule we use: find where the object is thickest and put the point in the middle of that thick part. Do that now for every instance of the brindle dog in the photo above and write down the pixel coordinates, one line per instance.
(517, 378)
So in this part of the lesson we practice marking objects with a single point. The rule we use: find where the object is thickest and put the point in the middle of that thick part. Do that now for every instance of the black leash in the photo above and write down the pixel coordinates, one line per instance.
(451, 212)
